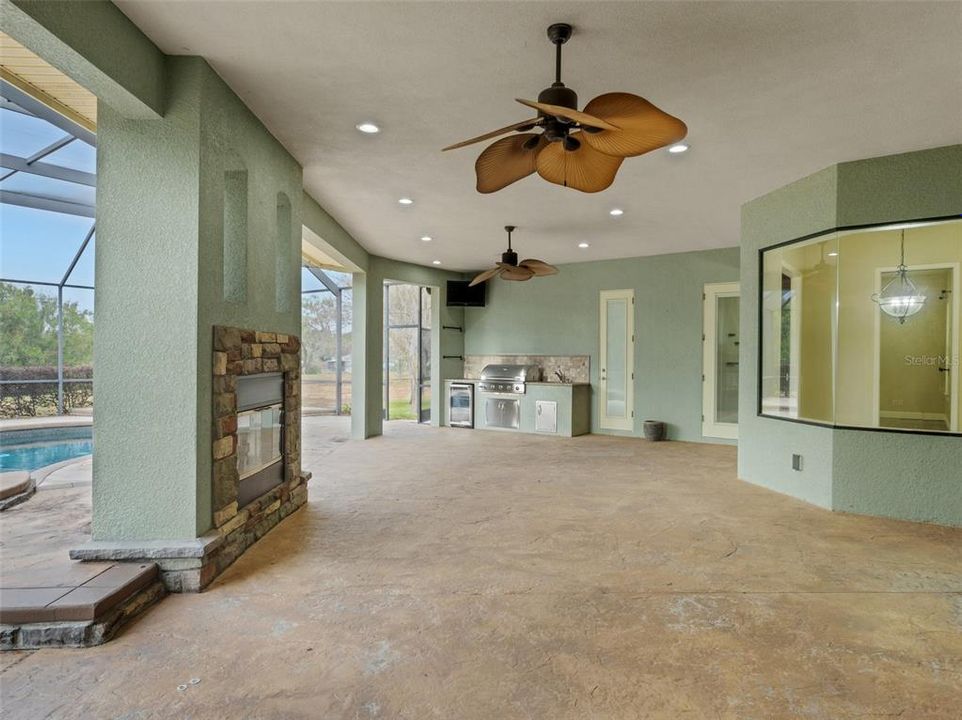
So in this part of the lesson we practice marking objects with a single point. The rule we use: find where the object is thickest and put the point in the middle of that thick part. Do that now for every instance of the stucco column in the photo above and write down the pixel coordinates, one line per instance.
(197, 226)
(367, 355)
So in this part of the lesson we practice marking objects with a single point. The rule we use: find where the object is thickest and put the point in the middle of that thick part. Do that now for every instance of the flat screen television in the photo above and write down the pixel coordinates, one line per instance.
(460, 295)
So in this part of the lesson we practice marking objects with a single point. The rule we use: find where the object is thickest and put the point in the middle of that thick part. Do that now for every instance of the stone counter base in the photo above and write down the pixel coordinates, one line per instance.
(80, 634)
(191, 565)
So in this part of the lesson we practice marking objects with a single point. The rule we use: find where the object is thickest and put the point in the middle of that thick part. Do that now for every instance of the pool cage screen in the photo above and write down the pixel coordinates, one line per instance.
(47, 234)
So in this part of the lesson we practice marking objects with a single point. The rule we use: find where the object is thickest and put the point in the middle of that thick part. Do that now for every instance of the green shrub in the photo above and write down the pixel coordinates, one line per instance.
(31, 399)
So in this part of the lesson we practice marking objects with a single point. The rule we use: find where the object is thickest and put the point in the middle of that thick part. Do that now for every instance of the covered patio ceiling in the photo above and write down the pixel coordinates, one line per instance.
(770, 92)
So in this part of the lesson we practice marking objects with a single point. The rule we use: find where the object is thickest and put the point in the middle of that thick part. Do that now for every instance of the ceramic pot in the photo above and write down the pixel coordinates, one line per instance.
(655, 430)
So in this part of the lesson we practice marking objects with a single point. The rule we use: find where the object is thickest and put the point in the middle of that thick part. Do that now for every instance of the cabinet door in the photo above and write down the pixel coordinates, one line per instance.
(616, 380)
(546, 416)
(502, 413)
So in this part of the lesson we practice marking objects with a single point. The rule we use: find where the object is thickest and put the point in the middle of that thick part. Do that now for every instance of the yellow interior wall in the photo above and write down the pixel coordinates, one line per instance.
(859, 256)
(816, 333)
(907, 389)
(815, 387)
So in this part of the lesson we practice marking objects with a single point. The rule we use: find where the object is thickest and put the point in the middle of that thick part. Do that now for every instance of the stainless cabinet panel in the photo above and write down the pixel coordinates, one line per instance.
(502, 413)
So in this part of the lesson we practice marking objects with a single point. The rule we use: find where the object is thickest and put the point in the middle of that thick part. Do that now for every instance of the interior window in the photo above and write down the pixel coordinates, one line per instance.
(861, 328)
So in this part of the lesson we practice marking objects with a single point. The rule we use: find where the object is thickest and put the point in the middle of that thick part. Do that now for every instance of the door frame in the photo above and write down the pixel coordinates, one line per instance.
(955, 329)
(628, 421)
(419, 384)
(710, 295)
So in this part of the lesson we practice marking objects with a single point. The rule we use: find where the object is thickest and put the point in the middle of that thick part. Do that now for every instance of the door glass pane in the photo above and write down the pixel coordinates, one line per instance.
(403, 387)
(616, 312)
(425, 403)
(799, 299)
(726, 360)
(426, 307)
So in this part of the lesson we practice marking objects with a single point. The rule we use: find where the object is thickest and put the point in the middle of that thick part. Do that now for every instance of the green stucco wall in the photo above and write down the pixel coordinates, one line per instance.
(559, 315)
(229, 133)
(145, 337)
(915, 477)
(338, 242)
(98, 46)
(765, 446)
(901, 475)
(368, 329)
(160, 291)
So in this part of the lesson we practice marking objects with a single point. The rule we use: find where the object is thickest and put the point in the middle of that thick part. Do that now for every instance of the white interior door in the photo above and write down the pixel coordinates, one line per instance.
(617, 375)
(720, 340)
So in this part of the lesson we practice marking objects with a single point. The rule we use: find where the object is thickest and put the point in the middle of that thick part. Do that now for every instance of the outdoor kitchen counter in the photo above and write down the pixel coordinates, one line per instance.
(571, 403)
(542, 382)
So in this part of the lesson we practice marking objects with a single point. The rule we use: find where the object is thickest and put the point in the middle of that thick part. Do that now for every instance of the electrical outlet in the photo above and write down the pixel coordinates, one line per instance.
(796, 462)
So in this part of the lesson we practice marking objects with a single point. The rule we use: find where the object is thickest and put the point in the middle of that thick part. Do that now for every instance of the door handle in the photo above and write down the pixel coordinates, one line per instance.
(945, 369)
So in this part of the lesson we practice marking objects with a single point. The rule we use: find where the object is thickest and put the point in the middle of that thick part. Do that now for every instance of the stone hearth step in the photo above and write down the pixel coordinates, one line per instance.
(78, 605)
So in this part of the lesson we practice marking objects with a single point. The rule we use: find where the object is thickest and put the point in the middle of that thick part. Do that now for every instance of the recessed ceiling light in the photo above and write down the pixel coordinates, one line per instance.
(679, 148)
(833, 254)
(406, 201)
(583, 245)
(368, 128)
(435, 262)
(615, 212)
(426, 238)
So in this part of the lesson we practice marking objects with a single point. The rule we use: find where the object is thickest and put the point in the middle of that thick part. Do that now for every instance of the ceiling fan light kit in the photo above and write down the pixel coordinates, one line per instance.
(577, 149)
(510, 269)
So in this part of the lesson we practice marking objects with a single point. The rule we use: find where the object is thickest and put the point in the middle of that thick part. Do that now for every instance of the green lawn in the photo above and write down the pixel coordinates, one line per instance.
(401, 410)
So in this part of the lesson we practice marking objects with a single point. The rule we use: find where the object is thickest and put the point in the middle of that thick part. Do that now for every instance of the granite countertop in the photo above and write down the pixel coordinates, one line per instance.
(561, 384)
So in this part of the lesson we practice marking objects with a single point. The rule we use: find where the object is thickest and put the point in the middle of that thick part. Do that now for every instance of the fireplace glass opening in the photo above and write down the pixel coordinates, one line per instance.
(258, 439)
(260, 435)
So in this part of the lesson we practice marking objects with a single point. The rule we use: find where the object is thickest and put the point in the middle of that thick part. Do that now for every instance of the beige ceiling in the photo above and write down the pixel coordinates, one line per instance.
(770, 91)
(36, 76)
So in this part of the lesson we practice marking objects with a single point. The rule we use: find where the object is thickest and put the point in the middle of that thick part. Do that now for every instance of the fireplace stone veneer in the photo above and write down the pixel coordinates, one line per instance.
(239, 353)
(190, 565)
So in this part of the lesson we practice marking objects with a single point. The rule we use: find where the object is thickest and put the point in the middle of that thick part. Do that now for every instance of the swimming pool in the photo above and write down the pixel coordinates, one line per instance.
(33, 449)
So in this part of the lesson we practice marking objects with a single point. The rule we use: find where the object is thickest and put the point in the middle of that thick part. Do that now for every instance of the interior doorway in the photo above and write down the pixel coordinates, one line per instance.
(720, 340)
(407, 352)
(617, 378)
(916, 364)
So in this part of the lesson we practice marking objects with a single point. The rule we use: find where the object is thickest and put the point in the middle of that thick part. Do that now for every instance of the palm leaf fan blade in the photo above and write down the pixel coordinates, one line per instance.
(538, 267)
(642, 127)
(506, 161)
(574, 116)
(493, 133)
(510, 272)
(583, 169)
(484, 277)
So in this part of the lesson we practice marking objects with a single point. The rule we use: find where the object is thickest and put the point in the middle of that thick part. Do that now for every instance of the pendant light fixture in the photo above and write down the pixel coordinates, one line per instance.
(900, 298)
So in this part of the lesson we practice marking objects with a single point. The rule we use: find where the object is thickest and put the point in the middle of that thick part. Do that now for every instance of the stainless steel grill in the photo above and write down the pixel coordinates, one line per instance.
(508, 379)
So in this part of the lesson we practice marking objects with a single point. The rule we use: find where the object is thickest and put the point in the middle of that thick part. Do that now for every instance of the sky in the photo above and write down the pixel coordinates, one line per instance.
(39, 245)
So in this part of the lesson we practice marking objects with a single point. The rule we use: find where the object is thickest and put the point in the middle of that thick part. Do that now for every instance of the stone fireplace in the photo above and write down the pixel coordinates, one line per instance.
(256, 477)
(256, 438)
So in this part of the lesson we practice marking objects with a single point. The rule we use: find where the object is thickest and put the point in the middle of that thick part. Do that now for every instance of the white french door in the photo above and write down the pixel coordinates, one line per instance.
(720, 339)
(617, 356)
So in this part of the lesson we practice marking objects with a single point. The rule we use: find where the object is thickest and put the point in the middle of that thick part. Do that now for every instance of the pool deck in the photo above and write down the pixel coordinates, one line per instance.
(41, 423)
(75, 472)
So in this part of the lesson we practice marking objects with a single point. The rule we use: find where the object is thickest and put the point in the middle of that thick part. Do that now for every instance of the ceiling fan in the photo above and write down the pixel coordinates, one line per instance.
(581, 150)
(510, 269)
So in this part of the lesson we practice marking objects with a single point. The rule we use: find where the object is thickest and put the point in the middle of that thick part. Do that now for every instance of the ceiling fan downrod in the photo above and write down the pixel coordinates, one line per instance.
(510, 257)
(558, 94)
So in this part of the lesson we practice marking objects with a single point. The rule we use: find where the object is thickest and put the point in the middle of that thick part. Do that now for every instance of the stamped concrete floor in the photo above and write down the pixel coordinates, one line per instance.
(442, 573)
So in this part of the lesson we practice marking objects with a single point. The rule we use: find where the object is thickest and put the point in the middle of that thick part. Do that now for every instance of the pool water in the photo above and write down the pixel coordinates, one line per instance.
(31, 456)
